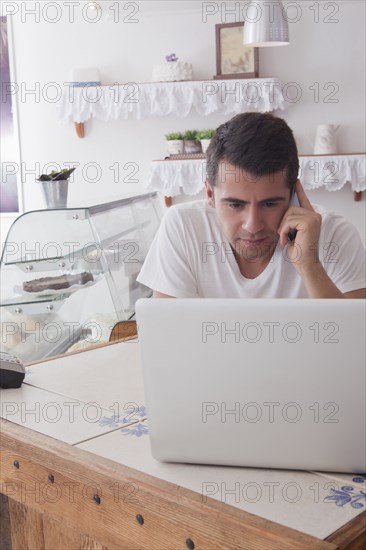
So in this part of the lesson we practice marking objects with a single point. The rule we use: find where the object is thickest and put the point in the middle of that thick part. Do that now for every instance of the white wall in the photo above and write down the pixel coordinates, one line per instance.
(320, 52)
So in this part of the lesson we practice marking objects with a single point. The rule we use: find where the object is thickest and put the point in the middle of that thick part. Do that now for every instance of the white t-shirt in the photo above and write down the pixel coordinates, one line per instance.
(191, 258)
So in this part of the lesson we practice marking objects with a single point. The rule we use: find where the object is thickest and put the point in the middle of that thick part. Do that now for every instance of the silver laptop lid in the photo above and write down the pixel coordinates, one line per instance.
(262, 383)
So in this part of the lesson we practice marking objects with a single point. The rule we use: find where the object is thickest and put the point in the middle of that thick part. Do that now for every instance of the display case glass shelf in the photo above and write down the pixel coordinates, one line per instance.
(68, 275)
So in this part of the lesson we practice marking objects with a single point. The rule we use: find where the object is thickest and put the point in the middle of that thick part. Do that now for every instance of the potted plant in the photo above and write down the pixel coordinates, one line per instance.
(205, 137)
(191, 144)
(55, 187)
(175, 143)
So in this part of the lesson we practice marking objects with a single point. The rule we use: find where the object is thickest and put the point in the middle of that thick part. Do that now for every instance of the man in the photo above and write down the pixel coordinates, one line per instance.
(249, 239)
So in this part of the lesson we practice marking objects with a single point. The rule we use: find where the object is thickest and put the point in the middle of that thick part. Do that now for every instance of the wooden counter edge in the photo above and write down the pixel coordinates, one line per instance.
(171, 512)
(90, 348)
(351, 536)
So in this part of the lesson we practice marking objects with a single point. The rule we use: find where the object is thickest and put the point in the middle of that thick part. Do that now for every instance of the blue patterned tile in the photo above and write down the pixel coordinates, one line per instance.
(346, 495)
(138, 430)
(110, 421)
(114, 421)
(361, 478)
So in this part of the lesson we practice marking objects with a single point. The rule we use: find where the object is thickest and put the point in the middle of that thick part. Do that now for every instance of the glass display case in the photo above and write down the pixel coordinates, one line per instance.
(68, 275)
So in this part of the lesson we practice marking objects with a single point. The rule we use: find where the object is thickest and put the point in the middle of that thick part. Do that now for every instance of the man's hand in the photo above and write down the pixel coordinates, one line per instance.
(303, 250)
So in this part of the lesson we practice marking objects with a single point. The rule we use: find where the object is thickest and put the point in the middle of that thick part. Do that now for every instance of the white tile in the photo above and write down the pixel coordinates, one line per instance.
(110, 376)
(291, 498)
(60, 417)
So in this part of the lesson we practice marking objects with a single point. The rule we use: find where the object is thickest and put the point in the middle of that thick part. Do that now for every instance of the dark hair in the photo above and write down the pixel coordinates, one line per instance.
(258, 143)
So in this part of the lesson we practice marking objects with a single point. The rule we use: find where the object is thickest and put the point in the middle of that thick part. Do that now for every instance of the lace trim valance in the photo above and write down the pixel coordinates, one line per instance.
(138, 101)
(174, 177)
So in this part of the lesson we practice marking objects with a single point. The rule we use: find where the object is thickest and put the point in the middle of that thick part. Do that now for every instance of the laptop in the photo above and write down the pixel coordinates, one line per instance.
(255, 383)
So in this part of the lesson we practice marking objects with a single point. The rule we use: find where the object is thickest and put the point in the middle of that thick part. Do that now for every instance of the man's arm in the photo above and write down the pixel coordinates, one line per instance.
(157, 294)
(361, 293)
(319, 285)
(167, 265)
(303, 251)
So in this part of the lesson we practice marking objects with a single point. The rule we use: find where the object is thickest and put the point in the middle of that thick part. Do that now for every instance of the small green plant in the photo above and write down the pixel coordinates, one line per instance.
(190, 135)
(57, 176)
(206, 134)
(174, 135)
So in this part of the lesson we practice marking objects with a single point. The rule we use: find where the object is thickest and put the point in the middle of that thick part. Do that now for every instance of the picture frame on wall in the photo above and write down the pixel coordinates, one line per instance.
(233, 58)
(11, 203)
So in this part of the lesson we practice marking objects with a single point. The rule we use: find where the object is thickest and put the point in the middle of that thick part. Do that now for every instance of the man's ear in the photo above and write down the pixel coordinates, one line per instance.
(210, 194)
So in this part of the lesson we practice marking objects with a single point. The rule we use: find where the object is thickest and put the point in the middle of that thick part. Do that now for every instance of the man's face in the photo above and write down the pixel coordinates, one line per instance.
(249, 209)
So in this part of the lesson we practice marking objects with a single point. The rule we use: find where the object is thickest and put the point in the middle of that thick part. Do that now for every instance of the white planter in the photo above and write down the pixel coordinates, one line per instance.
(175, 146)
(205, 143)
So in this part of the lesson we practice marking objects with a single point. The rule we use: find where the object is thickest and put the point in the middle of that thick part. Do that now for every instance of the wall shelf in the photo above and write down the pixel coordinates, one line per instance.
(174, 177)
(144, 100)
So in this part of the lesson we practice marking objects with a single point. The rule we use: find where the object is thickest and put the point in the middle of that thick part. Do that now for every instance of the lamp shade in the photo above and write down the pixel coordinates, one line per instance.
(266, 24)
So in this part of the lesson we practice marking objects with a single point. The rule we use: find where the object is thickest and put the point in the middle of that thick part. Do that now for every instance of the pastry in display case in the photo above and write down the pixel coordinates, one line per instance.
(69, 275)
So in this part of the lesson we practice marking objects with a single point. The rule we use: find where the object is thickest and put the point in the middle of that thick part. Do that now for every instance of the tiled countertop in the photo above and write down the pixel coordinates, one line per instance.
(95, 401)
